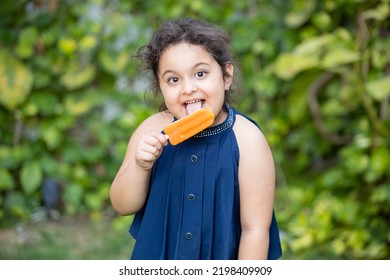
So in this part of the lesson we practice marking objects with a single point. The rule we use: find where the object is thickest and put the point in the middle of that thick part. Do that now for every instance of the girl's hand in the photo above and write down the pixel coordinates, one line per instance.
(149, 149)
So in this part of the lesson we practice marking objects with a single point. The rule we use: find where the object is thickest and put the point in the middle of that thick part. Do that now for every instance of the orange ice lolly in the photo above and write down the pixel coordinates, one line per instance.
(188, 126)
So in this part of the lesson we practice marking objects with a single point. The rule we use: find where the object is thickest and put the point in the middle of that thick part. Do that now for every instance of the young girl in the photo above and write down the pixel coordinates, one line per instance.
(210, 197)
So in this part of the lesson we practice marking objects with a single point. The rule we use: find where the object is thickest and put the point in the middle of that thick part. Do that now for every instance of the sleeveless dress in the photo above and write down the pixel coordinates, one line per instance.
(192, 211)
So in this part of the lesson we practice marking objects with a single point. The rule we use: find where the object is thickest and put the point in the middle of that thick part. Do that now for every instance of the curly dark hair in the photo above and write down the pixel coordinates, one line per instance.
(195, 32)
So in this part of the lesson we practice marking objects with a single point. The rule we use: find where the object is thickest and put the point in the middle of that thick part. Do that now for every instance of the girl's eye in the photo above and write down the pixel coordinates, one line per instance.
(173, 80)
(200, 74)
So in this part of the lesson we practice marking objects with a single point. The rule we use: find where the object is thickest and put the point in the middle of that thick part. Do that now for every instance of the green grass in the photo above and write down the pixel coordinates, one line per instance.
(68, 239)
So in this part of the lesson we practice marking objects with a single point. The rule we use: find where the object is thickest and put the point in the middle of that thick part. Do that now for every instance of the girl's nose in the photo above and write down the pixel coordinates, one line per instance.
(189, 88)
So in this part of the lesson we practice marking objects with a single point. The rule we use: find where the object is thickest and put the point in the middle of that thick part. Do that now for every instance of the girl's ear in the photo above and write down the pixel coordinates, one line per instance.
(229, 78)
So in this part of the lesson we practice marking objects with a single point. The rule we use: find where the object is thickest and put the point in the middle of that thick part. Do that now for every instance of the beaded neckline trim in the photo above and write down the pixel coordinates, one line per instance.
(214, 130)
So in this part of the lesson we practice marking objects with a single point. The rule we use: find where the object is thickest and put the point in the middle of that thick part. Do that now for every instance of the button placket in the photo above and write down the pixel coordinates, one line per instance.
(190, 240)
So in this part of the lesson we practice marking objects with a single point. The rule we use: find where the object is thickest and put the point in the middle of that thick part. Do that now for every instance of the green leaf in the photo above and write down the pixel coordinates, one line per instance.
(77, 76)
(296, 102)
(15, 203)
(52, 136)
(381, 194)
(72, 196)
(31, 176)
(45, 102)
(354, 160)
(67, 45)
(300, 13)
(313, 45)
(88, 42)
(339, 57)
(289, 65)
(94, 201)
(6, 159)
(333, 107)
(379, 89)
(77, 105)
(381, 12)
(6, 181)
(113, 63)
(49, 165)
(27, 39)
(322, 20)
(16, 81)
(380, 160)
(12, 157)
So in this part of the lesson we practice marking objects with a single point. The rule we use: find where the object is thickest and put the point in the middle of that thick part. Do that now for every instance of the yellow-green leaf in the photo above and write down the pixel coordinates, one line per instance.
(300, 13)
(78, 76)
(51, 136)
(379, 89)
(6, 181)
(322, 20)
(313, 45)
(77, 106)
(31, 176)
(27, 39)
(15, 203)
(381, 194)
(380, 160)
(67, 45)
(72, 196)
(113, 62)
(381, 12)
(339, 57)
(289, 65)
(88, 42)
(16, 81)
(94, 201)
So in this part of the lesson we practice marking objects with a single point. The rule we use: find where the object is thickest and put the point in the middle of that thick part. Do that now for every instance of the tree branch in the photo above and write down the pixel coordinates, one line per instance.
(315, 110)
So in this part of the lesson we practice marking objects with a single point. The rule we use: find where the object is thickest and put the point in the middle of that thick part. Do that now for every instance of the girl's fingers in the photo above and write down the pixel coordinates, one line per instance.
(150, 148)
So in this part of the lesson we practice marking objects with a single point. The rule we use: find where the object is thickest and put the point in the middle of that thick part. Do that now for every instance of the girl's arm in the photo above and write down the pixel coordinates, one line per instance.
(130, 187)
(257, 185)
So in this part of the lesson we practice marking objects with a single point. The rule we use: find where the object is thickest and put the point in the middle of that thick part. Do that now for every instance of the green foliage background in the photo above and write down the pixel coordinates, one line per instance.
(316, 77)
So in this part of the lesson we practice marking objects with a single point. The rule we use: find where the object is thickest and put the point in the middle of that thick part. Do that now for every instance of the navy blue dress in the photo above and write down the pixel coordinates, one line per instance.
(193, 208)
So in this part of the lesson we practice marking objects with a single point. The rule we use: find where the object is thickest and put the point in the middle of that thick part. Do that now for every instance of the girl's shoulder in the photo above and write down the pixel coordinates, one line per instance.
(155, 123)
(160, 119)
(248, 133)
(244, 126)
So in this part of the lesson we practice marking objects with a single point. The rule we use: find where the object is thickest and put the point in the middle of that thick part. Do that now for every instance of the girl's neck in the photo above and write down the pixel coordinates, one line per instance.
(221, 116)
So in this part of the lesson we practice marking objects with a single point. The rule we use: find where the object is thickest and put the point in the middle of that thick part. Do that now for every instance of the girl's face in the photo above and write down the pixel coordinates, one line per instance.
(191, 79)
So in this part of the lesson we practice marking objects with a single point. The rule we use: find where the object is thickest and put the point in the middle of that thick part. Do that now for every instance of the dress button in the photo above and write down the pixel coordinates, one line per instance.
(194, 158)
(188, 235)
(191, 197)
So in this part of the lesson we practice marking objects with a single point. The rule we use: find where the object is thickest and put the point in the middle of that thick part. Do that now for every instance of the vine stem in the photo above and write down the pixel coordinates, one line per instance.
(315, 110)
(18, 126)
(363, 36)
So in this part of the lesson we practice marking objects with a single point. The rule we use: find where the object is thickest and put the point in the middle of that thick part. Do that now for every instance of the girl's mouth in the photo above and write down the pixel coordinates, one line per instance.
(193, 105)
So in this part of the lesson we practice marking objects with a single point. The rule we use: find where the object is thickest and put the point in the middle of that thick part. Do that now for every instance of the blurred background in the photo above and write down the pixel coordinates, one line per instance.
(316, 77)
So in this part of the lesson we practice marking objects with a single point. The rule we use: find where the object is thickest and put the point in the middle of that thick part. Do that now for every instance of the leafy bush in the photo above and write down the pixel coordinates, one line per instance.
(316, 78)
(69, 101)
